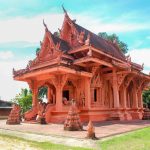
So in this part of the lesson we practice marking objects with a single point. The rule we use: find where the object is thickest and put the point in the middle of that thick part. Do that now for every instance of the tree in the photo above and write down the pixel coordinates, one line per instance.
(113, 37)
(24, 100)
(37, 50)
(146, 97)
(42, 92)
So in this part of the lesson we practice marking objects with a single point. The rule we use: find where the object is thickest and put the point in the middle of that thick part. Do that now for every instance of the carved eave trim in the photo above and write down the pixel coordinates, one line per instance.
(136, 66)
(87, 47)
(68, 56)
(110, 56)
(52, 70)
(79, 49)
(48, 63)
(121, 65)
(91, 59)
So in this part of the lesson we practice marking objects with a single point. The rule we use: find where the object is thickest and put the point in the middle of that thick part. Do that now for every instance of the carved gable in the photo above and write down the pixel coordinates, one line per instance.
(49, 51)
(69, 32)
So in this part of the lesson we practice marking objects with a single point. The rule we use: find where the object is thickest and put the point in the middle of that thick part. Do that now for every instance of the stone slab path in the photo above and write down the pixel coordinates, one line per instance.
(56, 134)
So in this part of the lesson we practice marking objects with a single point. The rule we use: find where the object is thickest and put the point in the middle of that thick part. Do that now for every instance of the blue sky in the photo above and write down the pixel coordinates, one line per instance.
(21, 28)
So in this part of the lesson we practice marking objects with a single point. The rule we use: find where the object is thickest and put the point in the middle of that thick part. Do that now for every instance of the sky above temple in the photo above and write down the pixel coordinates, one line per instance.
(21, 30)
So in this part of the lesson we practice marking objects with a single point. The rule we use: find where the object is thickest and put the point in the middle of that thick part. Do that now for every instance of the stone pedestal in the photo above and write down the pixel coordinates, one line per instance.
(146, 114)
(127, 116)
(117, 116)
(73, 122)
(14, 116)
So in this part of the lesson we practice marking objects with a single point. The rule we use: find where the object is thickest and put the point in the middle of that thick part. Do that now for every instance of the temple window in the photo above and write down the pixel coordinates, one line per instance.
(95, 95)
(66, 94)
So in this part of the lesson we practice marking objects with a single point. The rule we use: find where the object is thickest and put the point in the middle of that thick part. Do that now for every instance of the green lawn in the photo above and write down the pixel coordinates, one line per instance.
(137, 140)
(12, 142)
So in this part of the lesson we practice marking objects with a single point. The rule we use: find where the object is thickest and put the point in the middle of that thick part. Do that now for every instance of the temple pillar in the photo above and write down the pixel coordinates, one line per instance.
(35, 96)
(49, 94)
(115, 90)
(127, 115)
(124, 97)
(135, 98)
(59, 98)
(88, 93)
(140, 98)
(59, 82)
(116, 114)
(34, 88)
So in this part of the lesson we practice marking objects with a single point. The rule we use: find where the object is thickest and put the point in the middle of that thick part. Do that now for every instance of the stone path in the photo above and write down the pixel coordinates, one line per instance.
(56, 134)
(53, 139)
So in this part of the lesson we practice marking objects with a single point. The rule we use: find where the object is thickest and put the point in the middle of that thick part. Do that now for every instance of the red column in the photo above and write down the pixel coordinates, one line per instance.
(35, 96)
(58, 98)
(115, 90)
(124, 97)
(135, 97)
(87, 93)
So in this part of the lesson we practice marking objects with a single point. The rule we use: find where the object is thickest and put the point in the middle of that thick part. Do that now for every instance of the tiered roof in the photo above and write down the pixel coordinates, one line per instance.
(59, 49)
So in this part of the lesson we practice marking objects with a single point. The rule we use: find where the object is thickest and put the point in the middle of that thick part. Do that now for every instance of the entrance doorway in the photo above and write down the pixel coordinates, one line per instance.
(66, 94)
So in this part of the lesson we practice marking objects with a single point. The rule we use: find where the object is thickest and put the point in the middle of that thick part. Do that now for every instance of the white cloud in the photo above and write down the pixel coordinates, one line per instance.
(141, 56)
(28, 29)
(98, 25)
(6, 55)
(32, 30)
(8, 87)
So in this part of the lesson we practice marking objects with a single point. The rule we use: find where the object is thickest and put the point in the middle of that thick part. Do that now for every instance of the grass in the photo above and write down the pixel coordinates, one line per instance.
(136, 140)
(34, 144)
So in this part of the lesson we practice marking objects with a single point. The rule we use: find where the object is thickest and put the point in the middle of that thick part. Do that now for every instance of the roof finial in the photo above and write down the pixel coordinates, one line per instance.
(45, 25)
(142, 65)
(64, 9)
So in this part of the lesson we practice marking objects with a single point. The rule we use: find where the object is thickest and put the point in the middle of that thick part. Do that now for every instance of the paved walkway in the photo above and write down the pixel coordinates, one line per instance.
(56, 134)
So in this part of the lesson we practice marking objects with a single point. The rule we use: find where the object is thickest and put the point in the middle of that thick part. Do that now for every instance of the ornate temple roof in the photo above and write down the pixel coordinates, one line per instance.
(72, 47)
(101, 44)
(64, 46)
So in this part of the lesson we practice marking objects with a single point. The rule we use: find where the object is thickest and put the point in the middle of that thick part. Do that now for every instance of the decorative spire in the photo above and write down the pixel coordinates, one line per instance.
(143, 66)
(45, 25)
(128, 58)
(115, 41)
(87, 42)
(64, 10)
(81, 37)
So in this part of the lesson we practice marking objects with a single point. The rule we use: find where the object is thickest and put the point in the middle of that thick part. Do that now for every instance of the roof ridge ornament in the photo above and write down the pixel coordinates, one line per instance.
(87, 41)
(142, 65)
(46, 29)
(64, 10)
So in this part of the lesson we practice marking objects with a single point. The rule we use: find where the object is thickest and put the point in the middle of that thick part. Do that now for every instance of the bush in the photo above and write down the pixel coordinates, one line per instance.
(24, 100)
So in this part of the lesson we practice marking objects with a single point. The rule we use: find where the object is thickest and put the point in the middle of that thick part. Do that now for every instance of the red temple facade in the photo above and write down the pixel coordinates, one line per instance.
(82, 66)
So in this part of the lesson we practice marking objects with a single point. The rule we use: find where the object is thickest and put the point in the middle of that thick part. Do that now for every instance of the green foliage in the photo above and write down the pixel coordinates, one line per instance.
(113, 37)
(42, 92)
(146, 97)
(136, 140)
(57, 34)
(24, 100)
(37, 50)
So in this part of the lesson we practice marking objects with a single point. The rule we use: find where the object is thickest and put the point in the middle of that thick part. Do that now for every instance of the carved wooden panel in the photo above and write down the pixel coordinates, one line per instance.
(120, 79)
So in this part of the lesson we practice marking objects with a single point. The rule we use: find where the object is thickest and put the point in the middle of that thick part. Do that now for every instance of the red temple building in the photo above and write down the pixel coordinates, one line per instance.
(82, 66)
